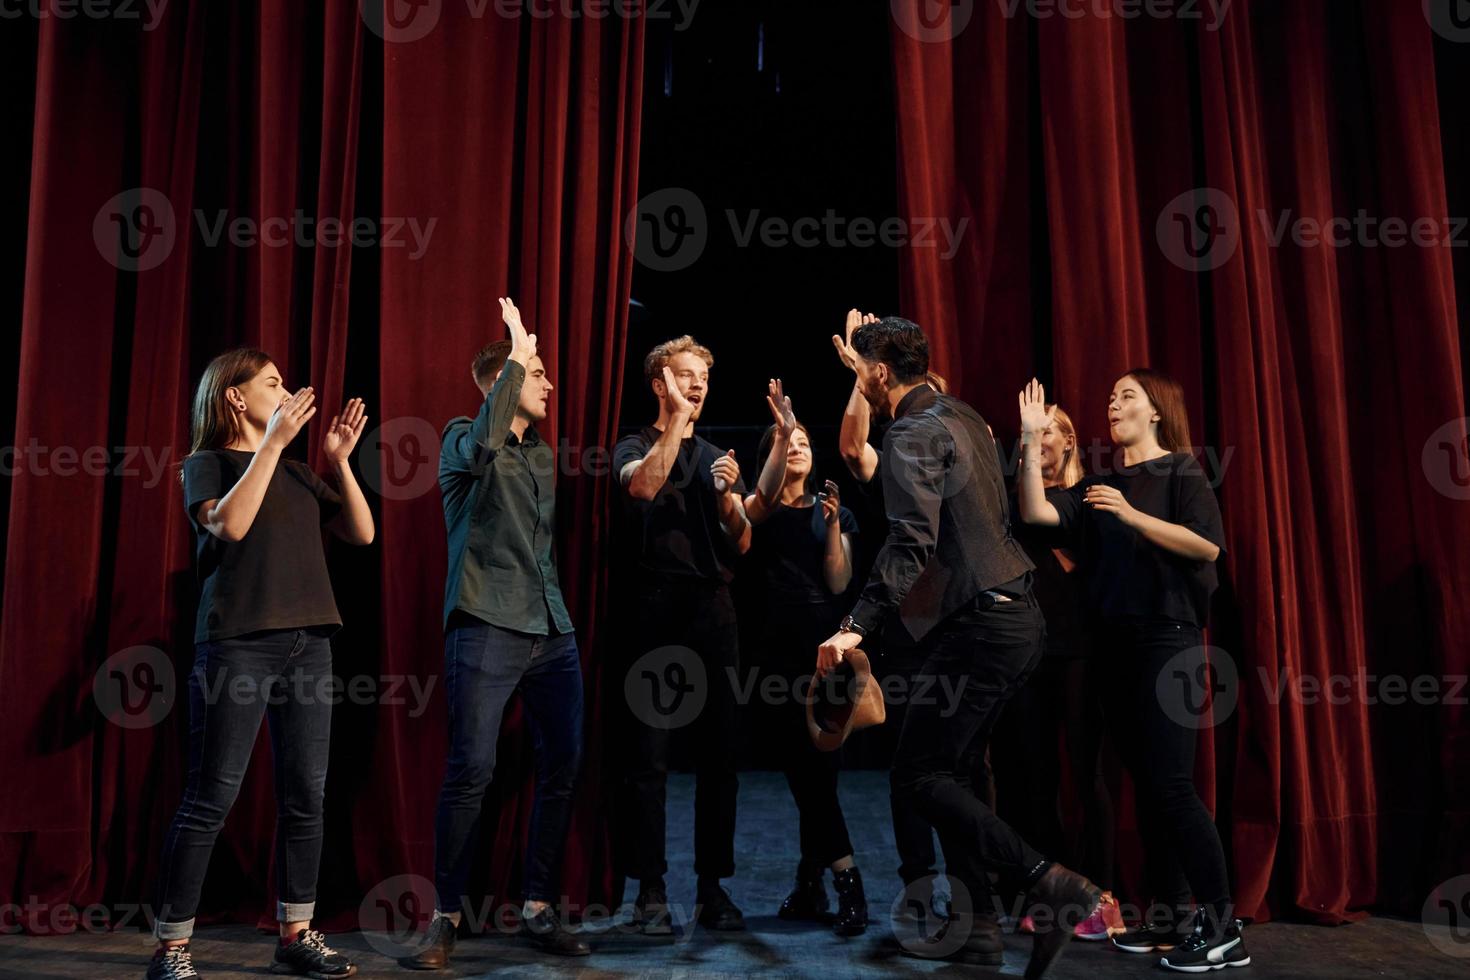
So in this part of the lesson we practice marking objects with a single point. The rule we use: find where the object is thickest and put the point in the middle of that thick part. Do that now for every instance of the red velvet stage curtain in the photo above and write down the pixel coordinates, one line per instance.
(517, 138)
(1324, 372)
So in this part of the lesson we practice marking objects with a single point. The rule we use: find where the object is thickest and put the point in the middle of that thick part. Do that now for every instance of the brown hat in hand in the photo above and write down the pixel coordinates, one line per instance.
(844, 701)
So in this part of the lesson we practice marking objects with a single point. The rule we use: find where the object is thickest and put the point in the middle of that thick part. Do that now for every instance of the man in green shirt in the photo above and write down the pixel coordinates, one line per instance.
(506, 629)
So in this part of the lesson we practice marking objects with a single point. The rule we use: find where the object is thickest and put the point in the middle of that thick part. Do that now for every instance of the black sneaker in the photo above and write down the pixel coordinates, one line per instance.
(547, 932)
(438, 943)
(651, 913)
(310, 956)
(1148, 939)
(717, 910)
(172, 963)
(1209, 949)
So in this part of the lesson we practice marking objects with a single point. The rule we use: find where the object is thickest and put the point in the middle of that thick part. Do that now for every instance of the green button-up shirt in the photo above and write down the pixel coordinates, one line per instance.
(499, 509)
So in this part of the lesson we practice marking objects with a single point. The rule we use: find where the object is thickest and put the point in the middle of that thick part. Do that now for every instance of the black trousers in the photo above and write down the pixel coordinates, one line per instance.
(679, 684)
(974, 662)
(789, 650)
(1061, 698)
(1150, 721)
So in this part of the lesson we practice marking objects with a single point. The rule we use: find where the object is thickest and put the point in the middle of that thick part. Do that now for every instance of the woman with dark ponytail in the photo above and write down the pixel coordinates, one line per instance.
(1148, 536)
(261, 650)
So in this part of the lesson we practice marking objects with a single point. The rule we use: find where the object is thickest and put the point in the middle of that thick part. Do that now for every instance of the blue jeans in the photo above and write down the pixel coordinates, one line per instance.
(483, 666)
(279, 674)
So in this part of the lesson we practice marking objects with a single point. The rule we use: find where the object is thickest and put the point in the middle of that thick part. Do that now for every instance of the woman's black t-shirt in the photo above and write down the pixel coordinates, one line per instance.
(1129, 577)
(1058, 590)
(788, 547)
(276, 576)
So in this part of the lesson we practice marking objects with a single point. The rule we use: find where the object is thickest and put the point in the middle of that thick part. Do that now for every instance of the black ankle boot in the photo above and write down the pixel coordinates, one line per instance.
(808, 900)
(852, 904)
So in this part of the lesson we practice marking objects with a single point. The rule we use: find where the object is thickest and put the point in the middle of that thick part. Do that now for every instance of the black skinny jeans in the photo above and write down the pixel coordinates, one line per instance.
(1147, 719)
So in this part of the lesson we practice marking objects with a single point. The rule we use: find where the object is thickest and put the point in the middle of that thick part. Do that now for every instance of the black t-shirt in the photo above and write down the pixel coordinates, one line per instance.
(1128, 577)
(679, 529)
(276, 576)
(1058, 592)
(789, 547)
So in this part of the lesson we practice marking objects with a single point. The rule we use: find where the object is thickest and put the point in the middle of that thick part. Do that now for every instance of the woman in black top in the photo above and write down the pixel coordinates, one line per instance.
(1060, 697)
(265, 612)
(1148, 537)
(802, 544)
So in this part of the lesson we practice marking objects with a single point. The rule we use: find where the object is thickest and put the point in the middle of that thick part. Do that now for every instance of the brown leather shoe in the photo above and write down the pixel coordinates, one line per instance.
(438, 944)
(1058, 901)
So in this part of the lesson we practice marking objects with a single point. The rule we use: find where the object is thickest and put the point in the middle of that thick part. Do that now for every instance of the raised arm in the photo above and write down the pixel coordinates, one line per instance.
(643, 477)
(230, 517)
(765, 500)
(1031, 489)
(355, 522)
(852, 441)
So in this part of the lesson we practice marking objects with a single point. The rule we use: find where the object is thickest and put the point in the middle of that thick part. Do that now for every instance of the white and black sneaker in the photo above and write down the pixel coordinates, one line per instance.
(1148, 939)
(172, 963)
(1209, 949)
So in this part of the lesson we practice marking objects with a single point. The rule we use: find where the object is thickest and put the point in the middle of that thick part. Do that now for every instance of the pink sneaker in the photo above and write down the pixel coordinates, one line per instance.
(1103, 922)
(1027, 925)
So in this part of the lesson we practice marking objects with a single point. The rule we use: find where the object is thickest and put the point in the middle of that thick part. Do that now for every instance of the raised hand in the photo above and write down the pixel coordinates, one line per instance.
(673, 397)
(855, 319)
(726, 472)
(780, 406)
(343, 431)
(522, 344)
(1035, 419)
(831, 503)
(290, 417)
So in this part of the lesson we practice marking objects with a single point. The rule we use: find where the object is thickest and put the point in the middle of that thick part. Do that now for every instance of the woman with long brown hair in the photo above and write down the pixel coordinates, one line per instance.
(266, 611)
(1148, 536)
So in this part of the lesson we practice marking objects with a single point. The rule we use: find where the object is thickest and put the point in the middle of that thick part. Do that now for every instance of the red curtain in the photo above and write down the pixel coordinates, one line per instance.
(1327, 374)
(493, 156)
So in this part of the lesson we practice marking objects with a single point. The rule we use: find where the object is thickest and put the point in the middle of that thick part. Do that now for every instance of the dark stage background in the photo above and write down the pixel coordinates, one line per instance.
(1325, 373)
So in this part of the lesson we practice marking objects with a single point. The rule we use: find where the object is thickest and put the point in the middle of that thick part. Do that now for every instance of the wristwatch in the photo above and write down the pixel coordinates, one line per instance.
(850, 625)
